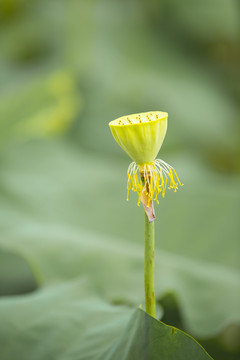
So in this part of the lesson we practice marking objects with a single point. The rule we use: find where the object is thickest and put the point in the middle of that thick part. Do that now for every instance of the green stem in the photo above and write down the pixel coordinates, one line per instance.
(149, 267)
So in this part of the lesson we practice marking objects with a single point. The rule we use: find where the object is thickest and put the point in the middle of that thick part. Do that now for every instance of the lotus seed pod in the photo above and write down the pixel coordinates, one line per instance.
(140, 135)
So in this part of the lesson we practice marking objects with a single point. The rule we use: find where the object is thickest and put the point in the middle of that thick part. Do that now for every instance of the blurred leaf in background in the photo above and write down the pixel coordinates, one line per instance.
(66, 69)
(45, 107)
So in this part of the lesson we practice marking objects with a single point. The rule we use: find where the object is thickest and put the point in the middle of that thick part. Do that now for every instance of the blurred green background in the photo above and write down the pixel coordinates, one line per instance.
(67, 68)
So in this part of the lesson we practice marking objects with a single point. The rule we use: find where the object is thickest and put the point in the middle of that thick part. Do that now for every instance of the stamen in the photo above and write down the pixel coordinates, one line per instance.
(156, 175)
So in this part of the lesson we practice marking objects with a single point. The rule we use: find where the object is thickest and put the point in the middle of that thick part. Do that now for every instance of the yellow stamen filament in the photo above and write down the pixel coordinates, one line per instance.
(151, 178)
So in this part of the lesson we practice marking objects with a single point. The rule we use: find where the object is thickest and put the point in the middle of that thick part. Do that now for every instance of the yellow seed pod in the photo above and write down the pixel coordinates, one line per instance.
(140, 135)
